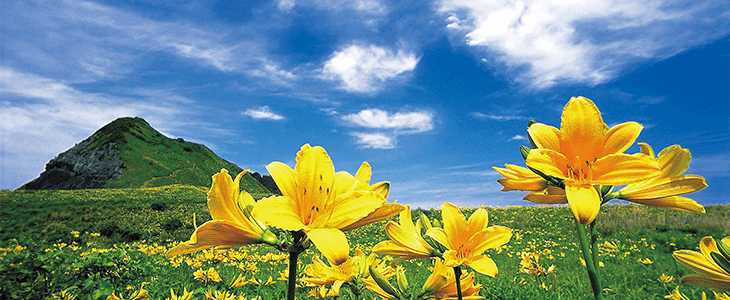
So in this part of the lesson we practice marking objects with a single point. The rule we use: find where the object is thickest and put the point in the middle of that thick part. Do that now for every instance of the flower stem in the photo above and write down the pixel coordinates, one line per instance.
(294, 249)
(457, 274)
(594, 249)
(591, 265)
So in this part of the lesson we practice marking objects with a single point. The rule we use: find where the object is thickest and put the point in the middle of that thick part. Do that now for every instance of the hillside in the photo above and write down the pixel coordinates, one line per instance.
(128, 153)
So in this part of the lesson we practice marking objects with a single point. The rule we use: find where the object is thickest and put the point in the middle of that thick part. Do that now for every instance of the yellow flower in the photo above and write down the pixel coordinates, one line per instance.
(519, 178)
(666, 279)
(583, 153)
(663, 189)
(320, 273)
(212, 275)
(646, 261)
(405, 239)
(318, 201)
(218, 295)
(466, 240)
(676, 295)
(232, 224)
(441, 284)
(710, 264)
(238, 282)
(185, 295)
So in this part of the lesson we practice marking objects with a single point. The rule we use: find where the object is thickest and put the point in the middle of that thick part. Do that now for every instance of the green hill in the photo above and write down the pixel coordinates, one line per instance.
(128, 153)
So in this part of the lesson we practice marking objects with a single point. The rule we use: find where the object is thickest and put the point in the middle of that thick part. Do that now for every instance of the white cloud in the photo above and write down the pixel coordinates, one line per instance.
(409, 121)
(518, 137)
(547, 42)
(41, 117)
(364, 69)
(387, 127)
(482, 116)
(262, 113)
(374, 140)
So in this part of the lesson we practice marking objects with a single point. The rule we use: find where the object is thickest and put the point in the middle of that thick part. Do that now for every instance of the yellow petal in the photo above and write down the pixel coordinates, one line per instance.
(452, 259)
(489, 238)
(545, 136)
(674, 202)
(714, 283)
(332, 243)
(646, 149)
(439, 235)
(455, 224)
(584, 202)
(394, 248)
(363, 175)
(216, 233)
(409, 239)
(581, 129)
(477, 221)
(549, 162)
(620, 137)
(673, 161)
(663, 187)
(284, 177)
(708, 245)
(384, 212)
(699, 263)
(483, 264)
(618, 169)
(519, 178)
(222, 198)
(279, 212)
(550, 195)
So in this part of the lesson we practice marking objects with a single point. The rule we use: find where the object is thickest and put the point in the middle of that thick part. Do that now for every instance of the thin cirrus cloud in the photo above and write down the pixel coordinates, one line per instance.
(263, 113)
(494, 117)
(363, 69)
(386, 127)
(544, 43)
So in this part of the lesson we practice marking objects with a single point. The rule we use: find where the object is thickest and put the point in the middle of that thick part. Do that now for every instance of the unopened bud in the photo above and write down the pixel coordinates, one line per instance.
(524, 150)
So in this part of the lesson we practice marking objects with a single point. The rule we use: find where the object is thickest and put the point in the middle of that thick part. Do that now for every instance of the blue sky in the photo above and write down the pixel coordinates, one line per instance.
(431, 93)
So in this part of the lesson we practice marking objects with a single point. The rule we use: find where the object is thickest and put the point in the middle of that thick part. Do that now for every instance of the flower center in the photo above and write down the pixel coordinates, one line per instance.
(581, 173)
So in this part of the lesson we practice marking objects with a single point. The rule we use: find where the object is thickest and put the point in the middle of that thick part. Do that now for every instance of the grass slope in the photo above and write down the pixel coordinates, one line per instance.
(49, 243)
(152, 159)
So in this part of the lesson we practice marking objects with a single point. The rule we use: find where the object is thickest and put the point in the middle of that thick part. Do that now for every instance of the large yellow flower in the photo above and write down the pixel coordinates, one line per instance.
(663, 190)
(405, 239)
(318, 201)
(707, 264)
(467, 240)
(584, 153)
(232, 224)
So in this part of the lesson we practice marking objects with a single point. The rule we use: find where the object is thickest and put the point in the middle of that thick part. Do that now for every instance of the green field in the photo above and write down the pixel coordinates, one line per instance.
(93, 242)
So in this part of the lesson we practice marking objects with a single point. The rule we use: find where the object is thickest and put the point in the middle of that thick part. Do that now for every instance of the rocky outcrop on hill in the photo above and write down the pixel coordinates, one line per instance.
(81, 167)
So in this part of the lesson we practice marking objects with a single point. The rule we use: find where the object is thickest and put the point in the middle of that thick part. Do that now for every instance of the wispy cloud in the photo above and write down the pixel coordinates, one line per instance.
(262, 113)
(518, 137)
(494, 117)
(388, 126)
(41, 117)
(363, 69)
(547, 42)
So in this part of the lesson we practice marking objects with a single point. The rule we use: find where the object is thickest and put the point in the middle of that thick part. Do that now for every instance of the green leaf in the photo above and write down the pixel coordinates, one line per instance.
(721, 261)
(383, 283)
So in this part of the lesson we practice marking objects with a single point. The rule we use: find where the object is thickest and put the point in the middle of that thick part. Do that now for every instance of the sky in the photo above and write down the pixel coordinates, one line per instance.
(432, 94)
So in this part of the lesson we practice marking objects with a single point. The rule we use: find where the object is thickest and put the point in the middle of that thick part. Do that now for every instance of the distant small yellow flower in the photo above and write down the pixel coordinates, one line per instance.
(185, 295)
(646, 261)
(269, 281)
(666, 279)
(676, 295)
(253, 281)
(199, 275)
(238, 282)
(218, 295)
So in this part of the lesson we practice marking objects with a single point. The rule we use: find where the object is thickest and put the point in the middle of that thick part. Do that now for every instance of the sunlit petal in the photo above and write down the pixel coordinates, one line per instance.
(550, 195)
(620, 137)
(581, 130)
(584, 202)
(483, 264)
(222, 198)
(284, 177)
(490, 238)
(332, 243)
(216, 233)
(617, 169)
(549, 162)
(673, 202)
(384, 212)
(279, 212)
(673, 161)
(545, 136)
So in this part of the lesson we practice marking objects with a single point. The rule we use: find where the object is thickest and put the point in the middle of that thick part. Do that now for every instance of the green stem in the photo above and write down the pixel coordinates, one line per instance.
(594, 249)
(457, 274)
(295, 248)
(590, 263)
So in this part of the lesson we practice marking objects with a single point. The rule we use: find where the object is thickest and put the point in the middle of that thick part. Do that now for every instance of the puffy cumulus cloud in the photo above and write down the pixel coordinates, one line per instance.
(262, 113)
(374, 140)
(387, 126)
(548, 42)
(363, 69)
(403, 121)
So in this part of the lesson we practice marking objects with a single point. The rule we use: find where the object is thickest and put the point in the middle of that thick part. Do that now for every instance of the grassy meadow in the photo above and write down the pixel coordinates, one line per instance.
(90, 243)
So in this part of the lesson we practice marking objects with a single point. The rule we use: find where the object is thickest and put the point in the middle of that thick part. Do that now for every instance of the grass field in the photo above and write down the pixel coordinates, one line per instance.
(93, 242)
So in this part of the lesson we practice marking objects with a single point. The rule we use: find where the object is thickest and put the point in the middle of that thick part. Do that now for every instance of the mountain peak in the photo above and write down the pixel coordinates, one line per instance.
(128, 152)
